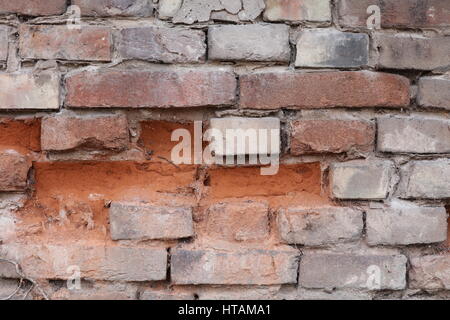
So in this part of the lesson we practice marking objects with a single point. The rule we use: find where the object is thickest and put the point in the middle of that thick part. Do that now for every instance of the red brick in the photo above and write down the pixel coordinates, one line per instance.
(395, 13)
(14, 169)
(33, 7)
(60, 42)
(272, 90)
(65, 133)
(332, 136)
(164, 87)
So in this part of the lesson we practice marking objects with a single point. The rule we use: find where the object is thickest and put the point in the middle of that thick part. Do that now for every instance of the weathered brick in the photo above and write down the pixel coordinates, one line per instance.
(244, 267)
(250, 128)
(97, 291)
(241, 221)
(298, 10)
(361, 179)
(164, 87)
(331, 136)
(60, 42)
(319, 226)
(4, 38)
(142, 222)
(256, 42)
(29, 91)
(331, 48)
(191, 11)
(7, 288)
(430, 272)
(14, 169)
(33, 8)
(394, 13)
(434, 92)
(61, 133)
(95, 262)
(106, 8)
(406, 223)
(413, 135)
(272, 90)
(329, 271)
(406, 51)
(425, 179)
(160, 44)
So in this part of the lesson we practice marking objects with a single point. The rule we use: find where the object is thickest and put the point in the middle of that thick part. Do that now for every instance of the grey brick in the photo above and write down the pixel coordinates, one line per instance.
(138, 222)
(434, 92)
(160, 44)
(413, 135)
(244, 267)
(319, 226)
(352, 271)
(97, 262)
(405, 223)
(425, 179)
(361, 179)
(329, 48)
(406, 51)
(256, 42)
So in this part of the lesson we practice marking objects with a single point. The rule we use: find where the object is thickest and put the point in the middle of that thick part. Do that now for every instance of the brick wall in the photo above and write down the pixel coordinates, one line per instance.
(88, 189)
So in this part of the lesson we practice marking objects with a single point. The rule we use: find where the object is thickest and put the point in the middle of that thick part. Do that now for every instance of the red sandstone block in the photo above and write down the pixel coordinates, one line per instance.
(331, 136)
(163, 87)
(60, 42)
(14, 169)
(284, 89)
(33, 7)
(65, 133)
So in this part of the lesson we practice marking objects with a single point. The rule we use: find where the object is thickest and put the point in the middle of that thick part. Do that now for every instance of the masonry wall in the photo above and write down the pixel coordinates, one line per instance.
(357, 210)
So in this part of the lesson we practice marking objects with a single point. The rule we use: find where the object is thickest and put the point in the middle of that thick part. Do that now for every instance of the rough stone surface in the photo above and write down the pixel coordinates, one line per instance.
(156, 88)
(329, 48)
(106, 8)
(320, 226)
(426, 179)
(4, 35)
(95, 262)
(250, 127)
(62, 133)
(406, 51)
(329, 271)
(160, 44)
(249, 42)
(413, 135)
(395, 13)
(245, 267)
(272, 90)
(241, 221)
(430, 272)
(29, 91)
(14, 169)
(405, 224)
(62, 43)
(434, 92)
(142, 222)
(298, 10)
(331, 136)
(33, 8)
(361, 179)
